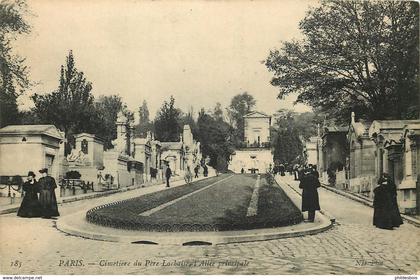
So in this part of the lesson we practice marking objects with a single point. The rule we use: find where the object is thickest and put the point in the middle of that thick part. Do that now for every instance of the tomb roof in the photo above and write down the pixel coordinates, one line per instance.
(256, 114)
(171, 145)
(390, 126)
(36, 129)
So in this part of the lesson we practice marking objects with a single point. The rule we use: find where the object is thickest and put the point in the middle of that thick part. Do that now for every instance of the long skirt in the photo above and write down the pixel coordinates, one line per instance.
(30, 206)
(382, 218)
(395, 214)
(48, 202)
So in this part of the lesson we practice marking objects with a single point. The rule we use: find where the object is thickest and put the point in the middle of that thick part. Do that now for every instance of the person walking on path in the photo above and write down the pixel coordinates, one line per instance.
(168, 174)
(206, 170)
(30, 206)
(47, 196)
(386, 214)
(196, 169)
(309, 184)
(282, 169)
(188, 175)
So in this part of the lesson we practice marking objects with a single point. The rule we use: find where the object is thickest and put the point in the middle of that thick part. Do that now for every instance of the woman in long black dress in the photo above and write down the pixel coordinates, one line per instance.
(386, 214)
(382, 206)
(395, 211)
(30, 206)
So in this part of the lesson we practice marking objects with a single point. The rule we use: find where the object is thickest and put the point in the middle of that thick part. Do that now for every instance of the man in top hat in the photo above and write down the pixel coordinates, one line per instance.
(309, 184)
(47, 197)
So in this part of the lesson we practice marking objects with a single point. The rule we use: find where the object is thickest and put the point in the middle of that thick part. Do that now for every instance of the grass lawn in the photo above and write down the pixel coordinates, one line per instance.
(125, 214)
(221, 207)
(211, 206)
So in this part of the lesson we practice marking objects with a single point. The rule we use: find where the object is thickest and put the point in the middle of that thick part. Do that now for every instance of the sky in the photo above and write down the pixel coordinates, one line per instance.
(201, 52)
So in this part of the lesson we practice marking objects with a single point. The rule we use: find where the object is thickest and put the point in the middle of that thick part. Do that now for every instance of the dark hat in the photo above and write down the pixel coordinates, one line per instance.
(382, 180)
(43, 170)
(31, 173)
(307, 170)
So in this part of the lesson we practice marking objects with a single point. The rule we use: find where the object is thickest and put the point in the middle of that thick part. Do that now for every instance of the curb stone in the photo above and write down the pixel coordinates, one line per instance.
(163, 238)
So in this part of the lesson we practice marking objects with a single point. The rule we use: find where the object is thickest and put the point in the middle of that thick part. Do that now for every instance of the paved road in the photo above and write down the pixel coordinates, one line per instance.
(354, 246)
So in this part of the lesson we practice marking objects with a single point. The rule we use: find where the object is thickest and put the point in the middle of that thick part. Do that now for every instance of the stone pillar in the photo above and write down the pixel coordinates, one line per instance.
(408, 188)
(121, 141)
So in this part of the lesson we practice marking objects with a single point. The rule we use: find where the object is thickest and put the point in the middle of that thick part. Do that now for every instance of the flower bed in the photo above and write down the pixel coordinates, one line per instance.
(220, 207)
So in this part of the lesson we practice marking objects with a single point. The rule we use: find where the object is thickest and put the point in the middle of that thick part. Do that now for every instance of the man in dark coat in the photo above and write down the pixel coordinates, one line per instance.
(196, 169)
(47, 196)
(168, 175)
(310, 200)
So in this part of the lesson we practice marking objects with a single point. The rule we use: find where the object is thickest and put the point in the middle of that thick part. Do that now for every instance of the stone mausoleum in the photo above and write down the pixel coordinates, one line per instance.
(30, 147)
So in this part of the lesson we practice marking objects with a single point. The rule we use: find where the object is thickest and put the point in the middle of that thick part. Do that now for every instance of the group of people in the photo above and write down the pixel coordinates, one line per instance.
(386, 213)
(39, 198)
(188, 174)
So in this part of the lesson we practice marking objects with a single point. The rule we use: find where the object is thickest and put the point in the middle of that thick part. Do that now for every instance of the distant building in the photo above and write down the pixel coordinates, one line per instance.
(254, 155)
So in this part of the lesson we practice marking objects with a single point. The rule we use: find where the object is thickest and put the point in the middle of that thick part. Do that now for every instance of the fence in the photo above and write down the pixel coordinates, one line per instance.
(73, 185)
(362, 185)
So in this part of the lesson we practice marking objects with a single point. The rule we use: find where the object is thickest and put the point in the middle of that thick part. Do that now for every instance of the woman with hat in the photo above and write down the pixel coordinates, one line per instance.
(30, 206)
(47, 196)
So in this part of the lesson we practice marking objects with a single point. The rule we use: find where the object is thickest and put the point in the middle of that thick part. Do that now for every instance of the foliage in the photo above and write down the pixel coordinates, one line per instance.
(13, 73)
(28, 117)
(240, 105)
(107, 109)
(286, 139)
(167, 124)
(215, 139)
(145, 124)
(307, 123)
(188, 119)
(218, 112)
(71, 107)
(359, 56)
